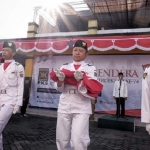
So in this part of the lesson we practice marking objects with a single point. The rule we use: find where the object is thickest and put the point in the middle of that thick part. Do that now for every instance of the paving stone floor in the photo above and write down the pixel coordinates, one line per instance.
(38, 133)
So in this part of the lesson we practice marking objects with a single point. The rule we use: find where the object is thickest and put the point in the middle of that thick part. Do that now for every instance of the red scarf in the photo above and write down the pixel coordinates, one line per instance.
(76, 66)
(6, 64)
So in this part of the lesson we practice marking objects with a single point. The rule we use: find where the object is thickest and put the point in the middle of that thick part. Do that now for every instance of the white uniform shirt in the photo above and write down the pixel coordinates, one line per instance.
(145, 103)
(12, 81)
(75, 103)
(123, 89)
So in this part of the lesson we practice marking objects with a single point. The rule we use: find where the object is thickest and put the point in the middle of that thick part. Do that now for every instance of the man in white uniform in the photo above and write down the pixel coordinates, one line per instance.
(145, 104)
(120, 94)
(74, 109)
(11, 86)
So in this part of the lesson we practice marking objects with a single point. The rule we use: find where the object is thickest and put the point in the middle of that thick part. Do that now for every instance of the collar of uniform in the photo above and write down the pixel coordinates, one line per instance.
(6, 61)
(78, 63)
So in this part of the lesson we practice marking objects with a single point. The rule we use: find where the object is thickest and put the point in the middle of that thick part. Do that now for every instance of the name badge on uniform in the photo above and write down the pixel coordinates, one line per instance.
(13, 72)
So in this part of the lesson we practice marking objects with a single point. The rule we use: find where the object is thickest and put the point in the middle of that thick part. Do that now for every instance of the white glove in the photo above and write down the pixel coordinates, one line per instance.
(148, 128)
(60, 75)
(81, 88)
(16, 109)
(78, 75)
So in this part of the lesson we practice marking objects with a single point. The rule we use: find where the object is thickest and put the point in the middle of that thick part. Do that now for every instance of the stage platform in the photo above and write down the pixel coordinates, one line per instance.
(111, 122)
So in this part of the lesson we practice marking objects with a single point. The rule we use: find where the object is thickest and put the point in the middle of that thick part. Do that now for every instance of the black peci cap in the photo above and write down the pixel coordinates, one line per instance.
(81, 43)
(10, 45)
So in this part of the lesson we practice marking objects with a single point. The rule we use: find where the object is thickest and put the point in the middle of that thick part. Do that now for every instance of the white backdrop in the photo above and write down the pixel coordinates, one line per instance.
(44, 95)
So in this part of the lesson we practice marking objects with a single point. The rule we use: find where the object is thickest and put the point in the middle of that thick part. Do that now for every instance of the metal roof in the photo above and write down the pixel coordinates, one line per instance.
(111, 14)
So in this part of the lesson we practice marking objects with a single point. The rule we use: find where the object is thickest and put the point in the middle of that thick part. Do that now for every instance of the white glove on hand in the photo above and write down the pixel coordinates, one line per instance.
(16, 109)
(78, 75)
(60, 75)
(148, 128)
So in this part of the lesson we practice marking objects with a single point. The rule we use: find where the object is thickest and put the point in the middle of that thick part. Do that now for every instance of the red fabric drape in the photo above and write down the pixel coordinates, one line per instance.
(93, 86)
(60, 45)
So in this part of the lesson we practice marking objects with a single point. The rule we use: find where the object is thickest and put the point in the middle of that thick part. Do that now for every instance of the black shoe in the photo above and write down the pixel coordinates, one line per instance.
(25, 115)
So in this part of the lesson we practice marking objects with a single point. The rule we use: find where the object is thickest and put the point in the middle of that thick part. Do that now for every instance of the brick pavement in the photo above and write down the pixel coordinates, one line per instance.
(38, 133)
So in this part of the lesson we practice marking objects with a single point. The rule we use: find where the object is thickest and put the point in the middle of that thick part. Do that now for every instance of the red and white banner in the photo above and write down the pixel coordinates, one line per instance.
(43, 93)
(101, 43)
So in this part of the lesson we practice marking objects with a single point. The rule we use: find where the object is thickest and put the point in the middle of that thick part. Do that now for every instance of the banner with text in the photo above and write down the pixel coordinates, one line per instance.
(43, 93)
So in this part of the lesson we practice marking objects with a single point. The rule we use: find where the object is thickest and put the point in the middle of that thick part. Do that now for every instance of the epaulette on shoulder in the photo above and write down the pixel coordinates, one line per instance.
(17, 63)
(89, 64)
(66, 64)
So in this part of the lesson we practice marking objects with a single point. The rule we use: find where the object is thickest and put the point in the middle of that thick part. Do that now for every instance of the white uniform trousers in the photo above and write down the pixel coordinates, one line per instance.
(72, 131)
(5, 114)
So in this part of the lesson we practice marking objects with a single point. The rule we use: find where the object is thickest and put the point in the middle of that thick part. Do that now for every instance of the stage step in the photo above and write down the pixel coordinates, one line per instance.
(111, 122)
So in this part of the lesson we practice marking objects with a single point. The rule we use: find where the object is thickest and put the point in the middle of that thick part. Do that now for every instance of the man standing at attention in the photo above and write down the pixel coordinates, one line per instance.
(120, 94)
(72, 131)
(145, 103)
(11, 86)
